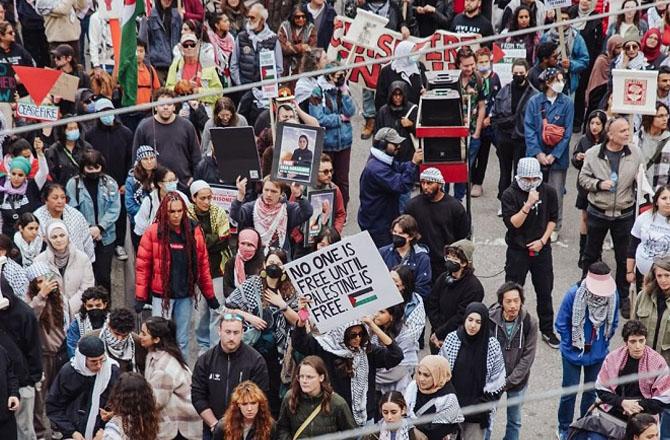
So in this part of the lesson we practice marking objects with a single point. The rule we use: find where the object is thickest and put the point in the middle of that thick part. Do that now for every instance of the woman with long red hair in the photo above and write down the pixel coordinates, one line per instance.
(247, 417)
(171, 259)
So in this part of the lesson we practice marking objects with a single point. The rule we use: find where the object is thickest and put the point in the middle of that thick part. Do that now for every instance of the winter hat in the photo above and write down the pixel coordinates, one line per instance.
(528, 167)
(91, 346)
(632, 34)
(197, 186)
(21, 163)
(144, 151)
(37, 270)
(103, 104)
(432, 174)
(466, 246)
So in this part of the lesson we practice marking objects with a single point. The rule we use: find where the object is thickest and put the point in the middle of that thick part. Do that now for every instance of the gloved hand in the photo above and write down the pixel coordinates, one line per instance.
(213, 303)
(139, 306)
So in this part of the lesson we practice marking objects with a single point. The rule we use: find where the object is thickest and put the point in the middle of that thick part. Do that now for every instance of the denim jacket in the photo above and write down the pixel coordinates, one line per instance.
(109, 204)
(153, 32)
(560, 113)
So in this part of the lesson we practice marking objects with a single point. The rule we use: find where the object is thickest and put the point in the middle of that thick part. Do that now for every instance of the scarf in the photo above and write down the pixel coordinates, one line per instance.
(60, 258)
(381, 156)
(568, 37)
(405, 66)
(242, 256)
(223, 48)
(401, 433)
(469, 372)
(260, 36)
(28, 250)
(637, 63)
(439, 369)
(601, 311)
(84, 325)
(102, 377)
(600, 74)
(583, 14)
(304, 88)
(651, 54)
(270, 221)
(333, 342)
(123, 349)
(10, 190)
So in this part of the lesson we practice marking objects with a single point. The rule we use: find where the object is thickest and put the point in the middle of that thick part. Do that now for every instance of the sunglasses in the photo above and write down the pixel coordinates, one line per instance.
(300, 17)
(188, 45)
(355, 335)
(232, 317)
(631, 47)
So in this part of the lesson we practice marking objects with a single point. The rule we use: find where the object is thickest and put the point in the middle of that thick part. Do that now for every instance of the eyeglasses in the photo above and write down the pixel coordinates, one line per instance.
(631, 47)
(188, 45)
(326, 171)
(232, 317)
(300, 17)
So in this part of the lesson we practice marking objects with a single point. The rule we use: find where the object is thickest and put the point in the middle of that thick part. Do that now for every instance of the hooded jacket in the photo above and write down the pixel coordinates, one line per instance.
(535, 225)
(508, 122)
(417, 259)
(159, 42)
(519, 348)
(115, 143)
(448, 299)
(328, 108)
(390, 116)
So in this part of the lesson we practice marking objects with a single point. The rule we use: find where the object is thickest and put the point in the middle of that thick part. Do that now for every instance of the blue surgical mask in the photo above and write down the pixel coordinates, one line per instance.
(171, 186)
(415, 58)
(72, 135)
(108, 120)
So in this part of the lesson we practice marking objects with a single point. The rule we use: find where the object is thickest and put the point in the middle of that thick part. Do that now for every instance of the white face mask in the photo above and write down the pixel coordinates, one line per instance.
(558, 86)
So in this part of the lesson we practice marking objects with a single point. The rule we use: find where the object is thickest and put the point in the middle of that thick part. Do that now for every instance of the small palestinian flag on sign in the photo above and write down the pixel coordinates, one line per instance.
(267, 73)
(362, 297)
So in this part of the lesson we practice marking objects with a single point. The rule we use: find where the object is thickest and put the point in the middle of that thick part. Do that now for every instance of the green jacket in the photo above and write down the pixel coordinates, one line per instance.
(647, 312)
(338, 419)
(209, 79)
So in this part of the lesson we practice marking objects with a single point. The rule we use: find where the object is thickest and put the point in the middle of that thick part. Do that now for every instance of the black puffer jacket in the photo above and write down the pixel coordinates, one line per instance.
(64, 165)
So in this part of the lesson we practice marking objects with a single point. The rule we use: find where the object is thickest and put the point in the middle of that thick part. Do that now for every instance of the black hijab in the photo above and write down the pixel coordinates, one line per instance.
(469, 372)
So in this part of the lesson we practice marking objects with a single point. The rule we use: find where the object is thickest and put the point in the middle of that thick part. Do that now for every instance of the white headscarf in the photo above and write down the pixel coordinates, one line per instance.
(404, 65)
(102, 379)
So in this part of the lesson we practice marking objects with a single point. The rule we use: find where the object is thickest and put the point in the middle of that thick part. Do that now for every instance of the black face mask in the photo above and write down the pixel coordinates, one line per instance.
(92, 176)
(339, 81)
(274, 271)
(97, 317)
(398, 241)
(518, 79)
(451, 266)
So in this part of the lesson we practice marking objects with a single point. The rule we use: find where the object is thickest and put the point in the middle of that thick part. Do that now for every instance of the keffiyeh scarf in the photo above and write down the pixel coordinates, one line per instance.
(28, 250)
(333, 342)
(122, 349)
(601, 311)
(270, 220)
(404, 65)
(401, 433)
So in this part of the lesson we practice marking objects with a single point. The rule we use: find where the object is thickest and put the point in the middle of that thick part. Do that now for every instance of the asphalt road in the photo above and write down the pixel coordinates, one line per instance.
(539, 418)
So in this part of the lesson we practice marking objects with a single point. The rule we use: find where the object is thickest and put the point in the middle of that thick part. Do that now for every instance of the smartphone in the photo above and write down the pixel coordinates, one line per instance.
(303, 314)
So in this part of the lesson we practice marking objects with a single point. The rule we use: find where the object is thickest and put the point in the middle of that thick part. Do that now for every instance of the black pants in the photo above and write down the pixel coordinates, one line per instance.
(121, 224)
(482, 158)
(35, 42)
(8, 429)
(508, 153)
(102, 268)
(541, 268)
(620, 230)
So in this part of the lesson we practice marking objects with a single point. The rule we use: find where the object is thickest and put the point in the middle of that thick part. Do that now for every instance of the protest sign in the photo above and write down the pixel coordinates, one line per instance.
(634, 91)
(268, 71)
(110, 9)
(297, 153)
(236, 153)
(344, 281)
(38, 82)
(7, 83)
(365, 29)
(323, 210)
(223, 196)
(504, 55)
(30, 110)
(440, 59)
(66, 87)
(557, 4)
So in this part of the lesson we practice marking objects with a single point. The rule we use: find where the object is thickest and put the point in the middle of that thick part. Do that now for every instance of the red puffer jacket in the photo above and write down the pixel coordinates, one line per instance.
(150, 264)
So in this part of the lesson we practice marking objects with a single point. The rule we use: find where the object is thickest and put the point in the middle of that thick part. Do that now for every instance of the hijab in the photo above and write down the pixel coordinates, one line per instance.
(600, 74)
(439, 369)
(404, 65)
(583, 14)
(651, 54)
(243, 256)
(469, 373)
(60, 258)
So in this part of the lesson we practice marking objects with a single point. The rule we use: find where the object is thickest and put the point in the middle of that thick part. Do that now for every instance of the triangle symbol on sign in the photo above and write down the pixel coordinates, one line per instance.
(498, 53)
(37, 81)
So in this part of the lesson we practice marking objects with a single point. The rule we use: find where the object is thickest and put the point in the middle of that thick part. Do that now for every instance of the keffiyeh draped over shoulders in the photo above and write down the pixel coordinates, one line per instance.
(601, 311)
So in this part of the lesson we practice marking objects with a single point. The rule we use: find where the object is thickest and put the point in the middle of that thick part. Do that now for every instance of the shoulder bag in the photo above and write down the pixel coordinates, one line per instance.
(308, 420)
(552, 134)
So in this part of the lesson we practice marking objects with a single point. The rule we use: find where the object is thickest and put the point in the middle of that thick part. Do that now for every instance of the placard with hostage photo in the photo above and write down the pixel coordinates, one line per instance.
(322, 202)
(297, 158)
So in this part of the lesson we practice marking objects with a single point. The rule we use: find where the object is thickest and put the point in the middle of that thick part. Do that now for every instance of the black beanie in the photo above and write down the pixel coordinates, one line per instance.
(91, 346)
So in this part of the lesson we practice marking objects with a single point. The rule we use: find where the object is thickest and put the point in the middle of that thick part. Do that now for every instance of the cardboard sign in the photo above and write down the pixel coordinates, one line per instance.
(7, 83)
(441, 59)
(236, 153)
(323, 206)
(557, 4)
(110, 9)
(268, 68)
(366, 29)
(504, 55)
(223, 196)
(344, 281)
(30, 110)
(297, 153)
(634, 91)
(66, 87)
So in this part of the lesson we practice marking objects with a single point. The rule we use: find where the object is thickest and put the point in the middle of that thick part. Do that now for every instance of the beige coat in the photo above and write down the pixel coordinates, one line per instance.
(77, 278)
(172, 388)
(62, 25)
(646, 310)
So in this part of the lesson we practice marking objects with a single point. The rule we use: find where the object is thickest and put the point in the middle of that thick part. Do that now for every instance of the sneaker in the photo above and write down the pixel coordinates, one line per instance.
(561, 435)
(476, 191)
(554, 236)
(120, 253)
(551, 339)
(499, 214)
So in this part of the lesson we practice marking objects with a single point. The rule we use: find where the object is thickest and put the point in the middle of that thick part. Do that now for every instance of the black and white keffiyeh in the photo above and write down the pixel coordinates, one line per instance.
(447, 409)
(333, 342)
(121, 349)
(601, 311)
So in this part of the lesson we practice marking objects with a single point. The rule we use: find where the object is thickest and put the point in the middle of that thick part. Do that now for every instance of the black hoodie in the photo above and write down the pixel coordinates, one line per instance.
(390, 116)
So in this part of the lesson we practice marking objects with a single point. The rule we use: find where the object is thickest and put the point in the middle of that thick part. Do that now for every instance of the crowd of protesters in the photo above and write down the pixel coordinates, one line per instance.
(75, 366)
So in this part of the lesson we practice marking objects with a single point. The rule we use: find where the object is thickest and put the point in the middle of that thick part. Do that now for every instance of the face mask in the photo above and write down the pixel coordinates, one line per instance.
(339, 82)
(170, 186)
(527, 186)
(558, 87)
(274, 271)
(451, 266)
(97, 317)
(89, 108)
(72, 135)
(107, 120)
(398, 241)
(247, 253)
(415, 58)
(518, 79)
(484, 69)
(93, 176)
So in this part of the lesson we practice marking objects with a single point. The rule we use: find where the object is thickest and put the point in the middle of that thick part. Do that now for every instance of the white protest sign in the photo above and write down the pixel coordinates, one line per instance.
(268, 71)
(110, 9)
(223, 196)
(504, 55)
(344, 281)
(634, 91)
(38, 112)
(557, 4)
(366, 29)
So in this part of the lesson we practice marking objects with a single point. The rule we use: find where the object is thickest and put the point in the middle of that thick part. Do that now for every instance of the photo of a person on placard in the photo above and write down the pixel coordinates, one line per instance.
(296, 158)
(302, 156)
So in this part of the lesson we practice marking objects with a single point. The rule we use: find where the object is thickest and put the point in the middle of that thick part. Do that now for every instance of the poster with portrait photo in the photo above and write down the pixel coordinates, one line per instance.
(323, 203)
(297, 153)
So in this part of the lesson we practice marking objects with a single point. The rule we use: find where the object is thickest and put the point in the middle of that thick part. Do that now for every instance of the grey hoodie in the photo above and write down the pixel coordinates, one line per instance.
(519, 350)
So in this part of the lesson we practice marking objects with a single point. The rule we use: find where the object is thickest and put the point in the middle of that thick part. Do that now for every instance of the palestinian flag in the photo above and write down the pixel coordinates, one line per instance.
(362, 297)
(127, 55)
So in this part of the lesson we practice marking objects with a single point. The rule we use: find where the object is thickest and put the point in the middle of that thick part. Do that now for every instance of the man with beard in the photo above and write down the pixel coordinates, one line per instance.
(472, 21)
(91, 316)
(382, 182)
(399, 114)
(174, 138)
(442, 219)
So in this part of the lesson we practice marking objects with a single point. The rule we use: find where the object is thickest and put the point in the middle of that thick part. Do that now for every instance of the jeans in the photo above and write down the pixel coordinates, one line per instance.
(556, 180)
(572, 376)
(207, 331)
(665, 424)
(481, 159)
(473, 150)
(369, 109)
(620, 230)
(513, 417)
(179, 311)
(517, 265)
(24, 416)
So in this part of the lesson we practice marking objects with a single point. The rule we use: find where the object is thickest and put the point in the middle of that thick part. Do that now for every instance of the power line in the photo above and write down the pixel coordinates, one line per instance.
(383, 60)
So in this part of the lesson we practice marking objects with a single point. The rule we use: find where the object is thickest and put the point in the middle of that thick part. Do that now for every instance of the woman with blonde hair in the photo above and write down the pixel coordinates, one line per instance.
(652, 307)
(247, 417)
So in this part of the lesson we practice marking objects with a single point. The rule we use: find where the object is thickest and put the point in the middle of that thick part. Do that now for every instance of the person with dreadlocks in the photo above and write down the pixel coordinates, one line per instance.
(171, 260)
